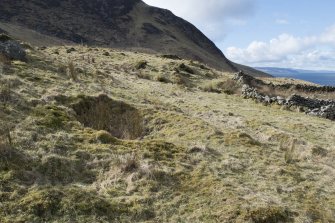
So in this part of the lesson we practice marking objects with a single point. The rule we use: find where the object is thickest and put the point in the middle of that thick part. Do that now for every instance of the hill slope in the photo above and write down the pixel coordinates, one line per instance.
(99, 135)
(129, 24)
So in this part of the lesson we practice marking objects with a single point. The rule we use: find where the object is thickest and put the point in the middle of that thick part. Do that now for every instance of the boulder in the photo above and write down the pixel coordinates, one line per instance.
(324, 112)
(11, 49)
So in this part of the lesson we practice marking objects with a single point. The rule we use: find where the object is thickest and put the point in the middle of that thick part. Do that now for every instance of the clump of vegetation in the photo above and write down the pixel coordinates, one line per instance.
(316, 211)
(51, 117)
(5, 134)
(105, 137)
(62, 69)
(200, 65)
(61, 170)
(212, 86)
(289, 152)
(162, 78)
(180, 79)
(4, 37)
(240, 138)
(5, 94)
(185, 68)
(141, 65)
(170, 56)
(5, 64)
(222, 86)
(143, 75)
(229, 86)
(319, 151)
(72, 71)
(129, 162)
(70, 50)
(269, 214)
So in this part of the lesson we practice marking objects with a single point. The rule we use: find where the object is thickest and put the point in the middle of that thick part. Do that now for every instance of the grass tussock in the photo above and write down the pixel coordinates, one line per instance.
(72, 72)
(5, 94)
(51, 117)
(162, 78)
(269, 214)
(5, 134)
(290, 152)
(227, 86)
(5, 64)
(185, 68)
(240, 138)
(129, 162)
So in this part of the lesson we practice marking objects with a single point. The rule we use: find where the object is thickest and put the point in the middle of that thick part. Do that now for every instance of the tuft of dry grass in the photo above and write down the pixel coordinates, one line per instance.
(185, 68)
(143, 75)
(72, 71)
(5, 94)
(129, 162)
(5, 64)
(5, 135)
(289, 152)
(227, 86)
(162, 78)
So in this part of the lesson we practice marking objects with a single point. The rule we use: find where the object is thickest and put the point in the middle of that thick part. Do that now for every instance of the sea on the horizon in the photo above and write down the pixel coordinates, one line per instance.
(322, 79)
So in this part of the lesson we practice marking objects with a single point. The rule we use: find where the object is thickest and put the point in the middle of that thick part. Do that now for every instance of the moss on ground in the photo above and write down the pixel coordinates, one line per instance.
(51, 117)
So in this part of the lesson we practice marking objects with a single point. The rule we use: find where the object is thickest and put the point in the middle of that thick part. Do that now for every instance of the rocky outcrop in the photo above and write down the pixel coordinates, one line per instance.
(315, 107)
(297, 100)
(11, 49)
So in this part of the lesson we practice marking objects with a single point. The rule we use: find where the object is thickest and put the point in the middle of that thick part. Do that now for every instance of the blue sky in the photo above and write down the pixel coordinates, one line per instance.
(280, 33)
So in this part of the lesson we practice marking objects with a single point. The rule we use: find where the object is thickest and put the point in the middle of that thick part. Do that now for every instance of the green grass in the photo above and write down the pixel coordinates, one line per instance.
(188, 155)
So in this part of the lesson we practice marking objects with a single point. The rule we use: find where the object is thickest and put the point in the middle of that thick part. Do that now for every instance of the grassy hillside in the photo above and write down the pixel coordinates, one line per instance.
(101, 135)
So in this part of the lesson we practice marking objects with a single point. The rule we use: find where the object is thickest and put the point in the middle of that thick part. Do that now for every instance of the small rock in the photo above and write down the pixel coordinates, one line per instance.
(12, 50)
(71, 50)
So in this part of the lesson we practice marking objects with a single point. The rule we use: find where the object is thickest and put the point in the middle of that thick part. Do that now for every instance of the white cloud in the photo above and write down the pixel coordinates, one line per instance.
(288, 50)
(209, 10)
(211, 16)
(329, 35)
(282, 21)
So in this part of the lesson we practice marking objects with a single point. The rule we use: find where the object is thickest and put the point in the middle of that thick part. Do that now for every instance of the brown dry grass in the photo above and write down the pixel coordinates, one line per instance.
(5, 94)
(239, 176)
(72, 71)
(5, 64)
(227, 86)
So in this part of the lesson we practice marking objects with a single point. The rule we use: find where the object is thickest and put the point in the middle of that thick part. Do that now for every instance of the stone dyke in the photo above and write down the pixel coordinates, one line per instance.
(315, 107)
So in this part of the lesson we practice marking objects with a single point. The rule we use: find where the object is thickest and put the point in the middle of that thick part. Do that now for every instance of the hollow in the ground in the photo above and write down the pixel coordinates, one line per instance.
(120, 119)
